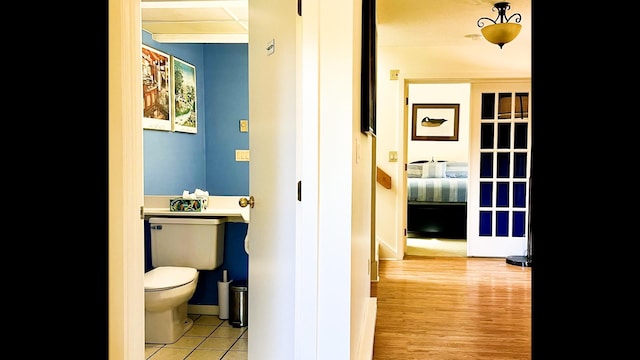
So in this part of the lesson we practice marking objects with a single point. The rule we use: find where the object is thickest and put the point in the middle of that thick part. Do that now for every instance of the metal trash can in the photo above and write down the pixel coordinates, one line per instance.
(239, 308)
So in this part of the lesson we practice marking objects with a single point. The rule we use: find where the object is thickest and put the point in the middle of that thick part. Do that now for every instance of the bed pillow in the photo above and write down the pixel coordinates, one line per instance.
(434, 169)
(414, 170)
(457, 170)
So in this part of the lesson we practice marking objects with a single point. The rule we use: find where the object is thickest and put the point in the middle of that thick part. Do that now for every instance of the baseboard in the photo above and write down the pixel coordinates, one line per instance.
(375, 263)
(365, 350)
(375, 277)
(386, 252)
(203, 309)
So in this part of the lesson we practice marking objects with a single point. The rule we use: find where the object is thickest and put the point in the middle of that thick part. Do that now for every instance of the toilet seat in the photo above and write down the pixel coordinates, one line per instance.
(168, 277)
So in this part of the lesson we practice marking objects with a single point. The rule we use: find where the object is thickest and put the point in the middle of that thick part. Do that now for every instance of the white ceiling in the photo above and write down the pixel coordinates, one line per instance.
(443, 22)
(448, 30)
(406, 23)
(196, 21)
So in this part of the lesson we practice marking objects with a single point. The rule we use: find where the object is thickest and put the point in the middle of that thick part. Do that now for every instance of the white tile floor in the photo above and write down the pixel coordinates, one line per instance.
(210, 338)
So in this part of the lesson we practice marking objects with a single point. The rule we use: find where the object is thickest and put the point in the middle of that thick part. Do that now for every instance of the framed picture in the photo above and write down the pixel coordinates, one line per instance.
(437, 122)
(156, 90)
(368, 79)
(185, 118)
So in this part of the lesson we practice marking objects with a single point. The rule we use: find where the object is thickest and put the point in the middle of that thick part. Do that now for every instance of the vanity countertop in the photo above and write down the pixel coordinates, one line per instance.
(158, 205)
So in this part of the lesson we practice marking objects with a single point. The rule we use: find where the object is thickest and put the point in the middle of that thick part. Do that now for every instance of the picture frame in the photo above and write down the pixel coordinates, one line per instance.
(157, 106)
(368, 79)
(185, 116)
(435, 122)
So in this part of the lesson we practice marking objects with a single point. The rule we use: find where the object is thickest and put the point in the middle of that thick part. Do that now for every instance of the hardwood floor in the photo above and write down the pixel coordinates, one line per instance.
(452, 308)
(436, 247)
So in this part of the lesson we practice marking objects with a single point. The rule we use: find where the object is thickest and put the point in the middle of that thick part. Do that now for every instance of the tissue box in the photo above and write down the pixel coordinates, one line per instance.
(188, 205)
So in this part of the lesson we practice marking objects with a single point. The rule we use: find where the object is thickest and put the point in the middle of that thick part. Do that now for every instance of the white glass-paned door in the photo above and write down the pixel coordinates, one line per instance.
(500, 167)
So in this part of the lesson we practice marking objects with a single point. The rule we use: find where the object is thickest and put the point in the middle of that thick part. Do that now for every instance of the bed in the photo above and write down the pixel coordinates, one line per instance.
(437, 199)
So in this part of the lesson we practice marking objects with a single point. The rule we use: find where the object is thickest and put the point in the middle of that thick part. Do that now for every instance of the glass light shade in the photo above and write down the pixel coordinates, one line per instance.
(501, 33)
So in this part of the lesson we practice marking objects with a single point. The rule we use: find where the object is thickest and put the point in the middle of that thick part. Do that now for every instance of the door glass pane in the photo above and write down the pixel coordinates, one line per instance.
(504, 106)
(522, 106)
(486, 165)
(503, 164)
(502, 223)
(518, 224)
(486, 194)
(519, 194)
(520, 136)
(504, 136)
(520, 165)
(486, 136)
(485, 223)
(488, 106)
(502, 195)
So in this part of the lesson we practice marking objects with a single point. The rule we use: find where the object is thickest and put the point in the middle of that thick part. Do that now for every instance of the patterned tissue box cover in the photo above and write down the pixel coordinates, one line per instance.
(189, 205)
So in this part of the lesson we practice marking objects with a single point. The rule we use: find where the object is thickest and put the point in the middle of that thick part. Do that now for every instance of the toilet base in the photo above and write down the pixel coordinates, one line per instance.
(166, 327)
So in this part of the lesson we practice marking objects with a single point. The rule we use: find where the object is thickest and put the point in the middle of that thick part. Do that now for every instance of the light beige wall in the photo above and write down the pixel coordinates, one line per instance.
(440, 94)
(344, 182)
(344, 177)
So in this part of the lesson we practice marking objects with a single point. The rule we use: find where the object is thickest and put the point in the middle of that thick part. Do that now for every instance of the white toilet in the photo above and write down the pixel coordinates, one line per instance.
(180, 246)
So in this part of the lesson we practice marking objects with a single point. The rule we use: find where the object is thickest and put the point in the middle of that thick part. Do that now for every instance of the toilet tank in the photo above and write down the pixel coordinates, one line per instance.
(191, 242)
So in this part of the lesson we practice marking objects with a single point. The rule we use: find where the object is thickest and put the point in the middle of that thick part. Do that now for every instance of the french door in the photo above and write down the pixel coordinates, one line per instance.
(499, 169)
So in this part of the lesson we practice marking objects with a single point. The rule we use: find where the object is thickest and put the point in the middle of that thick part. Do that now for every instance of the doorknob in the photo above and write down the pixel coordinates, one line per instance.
(244, 201)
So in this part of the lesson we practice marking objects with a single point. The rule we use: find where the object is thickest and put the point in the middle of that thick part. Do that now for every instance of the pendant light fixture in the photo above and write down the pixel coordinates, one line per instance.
(501, 31)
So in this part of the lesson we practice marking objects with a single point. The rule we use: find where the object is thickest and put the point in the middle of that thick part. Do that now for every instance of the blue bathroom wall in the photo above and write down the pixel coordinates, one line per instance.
(174, 161)
(227, 103)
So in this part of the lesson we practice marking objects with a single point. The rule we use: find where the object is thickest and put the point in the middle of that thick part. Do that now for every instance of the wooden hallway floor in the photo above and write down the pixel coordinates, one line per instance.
(452, 308)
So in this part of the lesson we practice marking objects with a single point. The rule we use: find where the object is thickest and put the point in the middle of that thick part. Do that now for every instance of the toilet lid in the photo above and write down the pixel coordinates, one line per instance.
(166, 277)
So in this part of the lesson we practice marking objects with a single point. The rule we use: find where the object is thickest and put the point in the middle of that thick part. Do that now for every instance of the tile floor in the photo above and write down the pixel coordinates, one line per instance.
(209, 338)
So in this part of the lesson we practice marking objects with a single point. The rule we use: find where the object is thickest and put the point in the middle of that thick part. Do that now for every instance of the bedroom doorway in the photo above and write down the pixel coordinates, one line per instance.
(494, 143)
(437, 168)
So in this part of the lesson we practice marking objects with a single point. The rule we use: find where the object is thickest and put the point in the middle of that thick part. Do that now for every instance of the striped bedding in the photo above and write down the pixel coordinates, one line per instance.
(437, 189)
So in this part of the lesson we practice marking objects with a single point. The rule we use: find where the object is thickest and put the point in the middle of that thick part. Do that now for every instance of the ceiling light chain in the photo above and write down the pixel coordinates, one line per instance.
(502, 8)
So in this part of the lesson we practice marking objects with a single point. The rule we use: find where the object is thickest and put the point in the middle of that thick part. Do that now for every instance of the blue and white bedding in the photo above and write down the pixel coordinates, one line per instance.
(442, 181)
(437, 189)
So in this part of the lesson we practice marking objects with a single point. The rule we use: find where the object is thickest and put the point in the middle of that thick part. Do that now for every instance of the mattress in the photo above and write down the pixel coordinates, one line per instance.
(437, 189)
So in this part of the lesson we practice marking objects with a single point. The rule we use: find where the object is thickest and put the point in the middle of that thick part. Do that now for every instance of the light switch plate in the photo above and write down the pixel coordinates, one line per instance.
(242, 155)
(393, 156)
(393, 74)
(244, 125)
